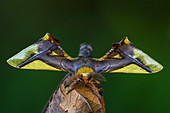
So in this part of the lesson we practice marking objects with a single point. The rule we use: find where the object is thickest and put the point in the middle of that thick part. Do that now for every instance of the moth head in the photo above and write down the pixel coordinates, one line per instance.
(85, 50)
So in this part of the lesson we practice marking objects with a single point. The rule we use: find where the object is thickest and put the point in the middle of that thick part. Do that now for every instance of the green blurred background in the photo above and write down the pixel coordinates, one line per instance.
(100, 23)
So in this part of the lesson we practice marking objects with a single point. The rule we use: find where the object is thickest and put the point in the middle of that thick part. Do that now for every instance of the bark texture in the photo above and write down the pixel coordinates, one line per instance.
(80, 100)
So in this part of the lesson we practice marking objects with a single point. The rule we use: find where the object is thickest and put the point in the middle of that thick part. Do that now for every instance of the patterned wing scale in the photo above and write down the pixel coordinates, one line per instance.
(125, 57)
(46, 54)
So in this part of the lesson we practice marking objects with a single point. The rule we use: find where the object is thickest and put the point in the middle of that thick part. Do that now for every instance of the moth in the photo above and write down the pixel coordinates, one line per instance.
(80, 91)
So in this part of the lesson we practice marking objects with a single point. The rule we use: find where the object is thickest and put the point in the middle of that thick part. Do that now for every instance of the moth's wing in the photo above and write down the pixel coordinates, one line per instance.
(46, 54)
(125, 57)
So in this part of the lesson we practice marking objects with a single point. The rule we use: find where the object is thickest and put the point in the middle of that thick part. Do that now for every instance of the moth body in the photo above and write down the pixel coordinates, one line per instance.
(80, 91)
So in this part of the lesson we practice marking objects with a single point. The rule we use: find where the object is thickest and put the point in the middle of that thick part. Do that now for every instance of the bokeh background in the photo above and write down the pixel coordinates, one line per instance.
(100, 23)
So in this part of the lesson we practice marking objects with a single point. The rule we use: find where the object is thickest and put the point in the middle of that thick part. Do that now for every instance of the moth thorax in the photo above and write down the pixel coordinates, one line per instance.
(85, 69)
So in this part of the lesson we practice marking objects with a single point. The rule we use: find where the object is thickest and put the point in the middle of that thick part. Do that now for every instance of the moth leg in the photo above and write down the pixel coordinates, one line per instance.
(96, 91)
(72, 79)
(72, 86)
(97, 76)
(96, 83)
